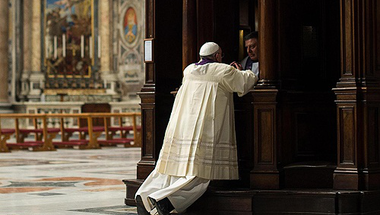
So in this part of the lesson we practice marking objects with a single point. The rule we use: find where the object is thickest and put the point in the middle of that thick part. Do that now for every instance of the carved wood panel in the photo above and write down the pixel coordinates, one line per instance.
(148, 133)
(347, 136)
(265, 173)
(376, 27)
(373, 136)
(308, 128)
(265, 129)
(147, 162)
(265, 138)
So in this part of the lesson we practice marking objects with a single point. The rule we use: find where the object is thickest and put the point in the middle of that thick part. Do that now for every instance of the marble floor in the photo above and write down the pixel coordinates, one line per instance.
(66, 181)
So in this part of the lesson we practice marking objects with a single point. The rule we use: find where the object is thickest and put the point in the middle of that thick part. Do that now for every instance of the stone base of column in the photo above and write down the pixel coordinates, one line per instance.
(36, 84)
(110, 84)
(6, 107)
(34, 98)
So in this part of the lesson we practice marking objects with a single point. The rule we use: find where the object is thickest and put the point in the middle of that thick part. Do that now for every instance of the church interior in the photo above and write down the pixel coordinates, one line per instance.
(307, 133)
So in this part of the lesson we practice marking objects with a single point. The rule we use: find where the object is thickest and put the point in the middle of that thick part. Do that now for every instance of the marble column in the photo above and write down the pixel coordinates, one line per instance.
(110, 78)
(27, 49)
(4, 32)
(36, 78)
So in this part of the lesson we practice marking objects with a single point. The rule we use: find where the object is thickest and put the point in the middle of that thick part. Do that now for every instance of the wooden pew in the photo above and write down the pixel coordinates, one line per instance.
(66, 132)
(110, 131)
(5, 134)
(43, 135)
(37, 131)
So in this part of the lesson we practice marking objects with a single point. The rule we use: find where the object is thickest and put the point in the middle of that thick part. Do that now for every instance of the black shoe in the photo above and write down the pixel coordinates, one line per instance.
(164, 207)
(140, 207)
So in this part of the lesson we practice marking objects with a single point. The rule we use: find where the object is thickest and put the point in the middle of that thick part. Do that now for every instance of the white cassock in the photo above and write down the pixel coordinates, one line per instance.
(199, 143)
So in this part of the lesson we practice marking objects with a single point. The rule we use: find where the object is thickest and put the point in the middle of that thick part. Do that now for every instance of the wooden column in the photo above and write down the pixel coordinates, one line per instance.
(148, 158)
(162, 74)
(358, 97)
(265, 174)
(189, 32)
(268, 42)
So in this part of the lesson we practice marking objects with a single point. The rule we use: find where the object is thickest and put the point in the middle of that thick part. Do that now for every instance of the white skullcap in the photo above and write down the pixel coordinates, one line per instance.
(208, 48)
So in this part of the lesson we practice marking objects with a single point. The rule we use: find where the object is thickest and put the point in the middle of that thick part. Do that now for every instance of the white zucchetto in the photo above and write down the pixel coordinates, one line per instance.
(208, 48)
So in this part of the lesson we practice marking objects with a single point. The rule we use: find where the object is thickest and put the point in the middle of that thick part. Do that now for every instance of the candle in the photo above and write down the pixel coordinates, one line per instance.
(64, 45)
(47, 46)
(82, 46)
(55, 47)
(90, 51)
(99, 47)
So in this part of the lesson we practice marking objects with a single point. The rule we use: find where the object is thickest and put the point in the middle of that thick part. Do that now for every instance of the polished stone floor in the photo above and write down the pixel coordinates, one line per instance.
(66, 181)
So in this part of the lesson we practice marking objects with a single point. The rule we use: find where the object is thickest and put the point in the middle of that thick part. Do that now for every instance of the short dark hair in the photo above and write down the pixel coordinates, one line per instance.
(253, 34)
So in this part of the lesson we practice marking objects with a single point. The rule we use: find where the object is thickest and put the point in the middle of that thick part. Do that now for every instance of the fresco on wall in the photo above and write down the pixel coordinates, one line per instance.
(130, 25)
(130, 32)
(68, 38)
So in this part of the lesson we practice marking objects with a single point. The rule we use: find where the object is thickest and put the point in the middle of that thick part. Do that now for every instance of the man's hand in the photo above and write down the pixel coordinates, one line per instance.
(236, 65)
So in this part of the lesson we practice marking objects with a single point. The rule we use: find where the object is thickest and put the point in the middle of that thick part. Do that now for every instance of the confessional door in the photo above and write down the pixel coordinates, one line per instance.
(309, 67)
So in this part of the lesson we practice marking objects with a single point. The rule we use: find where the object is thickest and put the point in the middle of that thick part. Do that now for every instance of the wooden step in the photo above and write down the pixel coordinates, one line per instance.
(287, 201)
(314, 175)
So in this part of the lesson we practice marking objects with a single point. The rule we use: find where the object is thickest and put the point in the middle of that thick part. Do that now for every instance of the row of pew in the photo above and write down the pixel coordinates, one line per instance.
(42, 135)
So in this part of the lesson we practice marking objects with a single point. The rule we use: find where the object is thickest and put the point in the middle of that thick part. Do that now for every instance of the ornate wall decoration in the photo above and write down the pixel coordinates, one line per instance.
(130, 28)
(70, 44)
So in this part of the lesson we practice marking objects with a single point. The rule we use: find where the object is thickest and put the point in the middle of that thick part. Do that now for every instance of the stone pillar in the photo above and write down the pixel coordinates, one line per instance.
(36, 78)
(110, 78)
(265, 174)
(4, 34)
(27, 49)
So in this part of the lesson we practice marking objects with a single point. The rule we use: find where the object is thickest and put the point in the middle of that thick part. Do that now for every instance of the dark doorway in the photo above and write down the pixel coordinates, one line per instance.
(95, 108)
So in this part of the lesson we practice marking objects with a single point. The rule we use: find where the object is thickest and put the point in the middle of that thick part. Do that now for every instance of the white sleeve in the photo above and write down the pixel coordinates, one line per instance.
(238, 81)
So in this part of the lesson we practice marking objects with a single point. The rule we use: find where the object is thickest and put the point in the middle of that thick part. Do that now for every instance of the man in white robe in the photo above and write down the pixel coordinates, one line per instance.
(199, 143)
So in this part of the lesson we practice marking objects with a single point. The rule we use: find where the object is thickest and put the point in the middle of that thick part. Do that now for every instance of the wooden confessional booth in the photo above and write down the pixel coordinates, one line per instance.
(308, 133)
